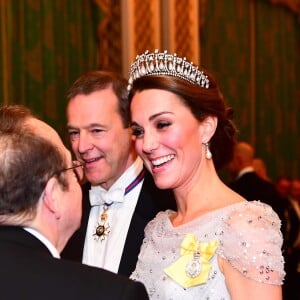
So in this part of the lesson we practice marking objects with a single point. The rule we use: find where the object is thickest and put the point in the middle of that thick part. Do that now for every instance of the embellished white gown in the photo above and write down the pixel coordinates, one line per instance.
(248, 236)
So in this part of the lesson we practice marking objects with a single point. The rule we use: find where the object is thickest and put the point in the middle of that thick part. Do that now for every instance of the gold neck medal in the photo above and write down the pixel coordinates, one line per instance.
(103, 228)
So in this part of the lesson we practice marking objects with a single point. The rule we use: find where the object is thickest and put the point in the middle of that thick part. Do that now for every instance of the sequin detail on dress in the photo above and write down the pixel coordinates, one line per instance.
(239, 230)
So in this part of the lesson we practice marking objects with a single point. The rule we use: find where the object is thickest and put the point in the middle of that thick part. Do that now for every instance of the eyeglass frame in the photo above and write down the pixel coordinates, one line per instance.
(78, 164)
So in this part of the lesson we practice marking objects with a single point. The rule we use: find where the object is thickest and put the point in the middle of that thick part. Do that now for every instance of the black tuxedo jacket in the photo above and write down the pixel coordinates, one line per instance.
(29, 271)
(151, 200)
(252, 187)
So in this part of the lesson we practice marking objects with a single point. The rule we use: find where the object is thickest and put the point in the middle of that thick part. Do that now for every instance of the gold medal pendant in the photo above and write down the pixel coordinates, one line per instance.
(103, 228)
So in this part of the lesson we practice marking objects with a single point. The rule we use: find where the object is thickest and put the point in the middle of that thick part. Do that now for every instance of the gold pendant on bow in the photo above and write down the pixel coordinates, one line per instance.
(102, 228)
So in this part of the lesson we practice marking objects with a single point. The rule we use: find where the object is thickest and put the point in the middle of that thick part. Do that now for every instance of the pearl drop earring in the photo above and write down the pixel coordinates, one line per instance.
(208, 154)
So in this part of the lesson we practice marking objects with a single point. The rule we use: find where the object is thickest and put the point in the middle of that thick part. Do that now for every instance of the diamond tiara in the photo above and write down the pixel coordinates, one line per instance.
(162, 63)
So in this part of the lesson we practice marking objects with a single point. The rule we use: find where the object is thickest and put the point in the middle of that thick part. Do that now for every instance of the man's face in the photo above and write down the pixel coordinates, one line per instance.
(98, 137)
(70, 200)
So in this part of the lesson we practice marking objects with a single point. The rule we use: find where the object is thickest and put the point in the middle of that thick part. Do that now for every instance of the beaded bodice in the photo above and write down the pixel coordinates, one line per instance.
(249, 238)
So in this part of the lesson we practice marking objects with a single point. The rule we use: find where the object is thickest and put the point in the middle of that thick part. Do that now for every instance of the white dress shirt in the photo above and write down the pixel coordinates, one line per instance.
(244, 171)
(107, 253)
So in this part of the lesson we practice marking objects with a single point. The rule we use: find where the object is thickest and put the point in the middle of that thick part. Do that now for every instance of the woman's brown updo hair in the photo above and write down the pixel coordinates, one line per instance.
(202, 102)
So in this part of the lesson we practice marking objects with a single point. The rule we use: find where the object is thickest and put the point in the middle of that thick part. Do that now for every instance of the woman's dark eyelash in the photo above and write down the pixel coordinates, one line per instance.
(136, 132)
(163, 124)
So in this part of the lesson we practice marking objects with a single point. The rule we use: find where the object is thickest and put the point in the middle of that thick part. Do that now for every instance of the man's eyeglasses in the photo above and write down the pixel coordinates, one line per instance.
(77, 169)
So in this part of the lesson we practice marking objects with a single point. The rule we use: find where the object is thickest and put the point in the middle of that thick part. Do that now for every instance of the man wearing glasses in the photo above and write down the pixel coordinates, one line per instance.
(40, 208)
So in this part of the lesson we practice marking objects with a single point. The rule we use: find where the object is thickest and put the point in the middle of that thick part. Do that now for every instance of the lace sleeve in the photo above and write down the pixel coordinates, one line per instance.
(252, 242)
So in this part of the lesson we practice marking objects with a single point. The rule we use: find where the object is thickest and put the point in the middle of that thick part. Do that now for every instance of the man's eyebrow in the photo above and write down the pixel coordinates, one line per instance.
(70, 126)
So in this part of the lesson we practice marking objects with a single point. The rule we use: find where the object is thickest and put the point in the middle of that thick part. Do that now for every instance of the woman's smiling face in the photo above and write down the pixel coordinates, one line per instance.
(167, 136)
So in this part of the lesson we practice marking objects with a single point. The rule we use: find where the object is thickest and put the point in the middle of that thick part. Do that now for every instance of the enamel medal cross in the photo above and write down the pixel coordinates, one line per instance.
(103, 228)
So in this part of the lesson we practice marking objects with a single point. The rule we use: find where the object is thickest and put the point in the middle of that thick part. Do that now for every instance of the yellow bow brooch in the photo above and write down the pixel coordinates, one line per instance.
(193, 267)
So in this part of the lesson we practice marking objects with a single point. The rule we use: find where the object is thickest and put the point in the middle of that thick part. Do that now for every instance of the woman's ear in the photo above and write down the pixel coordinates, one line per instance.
(50, 197)
(209, 125)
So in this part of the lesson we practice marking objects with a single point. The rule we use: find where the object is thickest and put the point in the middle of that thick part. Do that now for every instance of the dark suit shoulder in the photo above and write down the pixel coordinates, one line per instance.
(161, 199)
(252, 187)
(27, 272)
(100, 282)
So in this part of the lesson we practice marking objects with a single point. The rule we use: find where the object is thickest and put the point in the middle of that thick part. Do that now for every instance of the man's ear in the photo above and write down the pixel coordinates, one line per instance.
(209, 126)
(50, 197)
